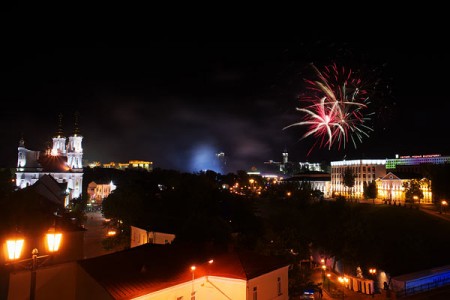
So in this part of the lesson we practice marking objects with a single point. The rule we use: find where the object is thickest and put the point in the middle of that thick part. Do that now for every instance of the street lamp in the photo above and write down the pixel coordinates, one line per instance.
(14, 249)
(328, 278)
(193, 278)
(444, 205)
(252, 181)
(373, 273)
(343, 280)
(324, 268)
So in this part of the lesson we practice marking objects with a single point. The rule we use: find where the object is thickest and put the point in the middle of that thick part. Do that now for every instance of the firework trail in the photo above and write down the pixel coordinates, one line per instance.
(335, 106)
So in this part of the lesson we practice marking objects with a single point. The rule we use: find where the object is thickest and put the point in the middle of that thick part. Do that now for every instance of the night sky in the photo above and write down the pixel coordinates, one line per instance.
(178, 103)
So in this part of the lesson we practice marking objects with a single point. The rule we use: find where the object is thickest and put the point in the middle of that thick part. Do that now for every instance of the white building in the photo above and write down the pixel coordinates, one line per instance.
(318, 180)
(180, 272)
(140, 236)
(364, 171)
(63, 162)
(391, 187)
(99, 191)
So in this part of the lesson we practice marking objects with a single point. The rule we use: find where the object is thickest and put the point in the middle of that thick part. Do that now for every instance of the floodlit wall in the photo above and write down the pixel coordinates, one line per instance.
(203, 288)
(273, 285)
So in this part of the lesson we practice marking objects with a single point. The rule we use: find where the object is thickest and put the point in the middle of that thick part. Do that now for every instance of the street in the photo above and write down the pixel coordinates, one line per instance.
(95, 233)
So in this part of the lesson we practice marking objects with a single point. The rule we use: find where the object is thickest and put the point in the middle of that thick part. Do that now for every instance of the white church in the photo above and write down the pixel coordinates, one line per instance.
(63, 161)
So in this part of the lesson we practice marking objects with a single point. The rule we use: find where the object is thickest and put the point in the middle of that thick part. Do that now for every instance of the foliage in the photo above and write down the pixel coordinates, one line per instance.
(438, 174)
(193, 206)
(348, 178)
(370, 190)
(412, 190)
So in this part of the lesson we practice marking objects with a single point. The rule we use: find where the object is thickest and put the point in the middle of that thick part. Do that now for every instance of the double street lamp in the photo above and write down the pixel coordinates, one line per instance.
(193, 268)
(14, 249)
(373, 273)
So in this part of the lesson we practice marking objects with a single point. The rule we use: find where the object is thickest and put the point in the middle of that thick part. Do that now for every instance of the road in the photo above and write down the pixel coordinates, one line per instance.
(431, 210)
(95, 233)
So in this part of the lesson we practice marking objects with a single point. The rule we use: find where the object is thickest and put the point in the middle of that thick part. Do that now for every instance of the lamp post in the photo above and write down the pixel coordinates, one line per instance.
(343, 280)
(14, 249)
(373, 273)
(324, 268)
(328, 278)
(443, 206)
(193, 278)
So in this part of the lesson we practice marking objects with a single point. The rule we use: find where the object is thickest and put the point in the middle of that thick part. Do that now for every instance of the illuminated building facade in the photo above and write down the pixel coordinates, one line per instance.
(413, 163)
(391, 187)
(97, 191)
(291, 168)
(364, 171)
(319, 181)
(63, 162)
(140, 236)
(132, 164)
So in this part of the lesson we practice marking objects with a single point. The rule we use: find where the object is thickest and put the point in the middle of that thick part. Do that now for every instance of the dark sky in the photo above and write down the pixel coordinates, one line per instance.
(178, 103)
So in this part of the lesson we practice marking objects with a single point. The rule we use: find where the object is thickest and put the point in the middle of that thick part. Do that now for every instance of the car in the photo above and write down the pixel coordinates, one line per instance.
(307, 294)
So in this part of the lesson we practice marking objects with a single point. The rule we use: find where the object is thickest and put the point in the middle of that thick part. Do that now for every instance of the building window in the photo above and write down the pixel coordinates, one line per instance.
(180, 298)
(255, 293)
(279, 286)
(193, 296)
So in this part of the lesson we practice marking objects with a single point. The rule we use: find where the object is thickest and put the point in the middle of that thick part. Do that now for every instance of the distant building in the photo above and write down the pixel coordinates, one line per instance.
(132, 164)
(140, 236)
(222, 162)
(415, 163)
(320, 181)
(289, 168)
(390, 187)
(99, 191)
(63, 161)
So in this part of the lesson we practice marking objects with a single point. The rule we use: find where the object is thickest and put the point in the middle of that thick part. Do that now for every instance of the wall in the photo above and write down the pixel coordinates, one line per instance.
(267, 285)
(205, 288)
(52, 282)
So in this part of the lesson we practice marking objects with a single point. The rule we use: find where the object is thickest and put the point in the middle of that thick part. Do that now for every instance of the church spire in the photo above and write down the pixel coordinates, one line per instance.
(21, 141)
(76, 130)
(60, 132)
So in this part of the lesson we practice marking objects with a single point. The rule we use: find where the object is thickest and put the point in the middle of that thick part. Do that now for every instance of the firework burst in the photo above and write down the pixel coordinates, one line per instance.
(335, 108)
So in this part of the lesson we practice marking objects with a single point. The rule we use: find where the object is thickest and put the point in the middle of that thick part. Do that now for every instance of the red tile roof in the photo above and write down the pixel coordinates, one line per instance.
(149, 268)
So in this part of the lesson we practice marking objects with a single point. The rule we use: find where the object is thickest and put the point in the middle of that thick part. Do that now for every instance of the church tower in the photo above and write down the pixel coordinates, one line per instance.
(74, 148)
(22, 155)
(59, 141)
(62, 162)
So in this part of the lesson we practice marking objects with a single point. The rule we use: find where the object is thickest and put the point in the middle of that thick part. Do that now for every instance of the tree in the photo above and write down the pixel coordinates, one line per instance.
(370, 190)
(412, 190)
(348, 178)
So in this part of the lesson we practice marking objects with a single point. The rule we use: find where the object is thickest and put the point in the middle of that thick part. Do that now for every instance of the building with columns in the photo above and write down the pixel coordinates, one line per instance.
(63, 161)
